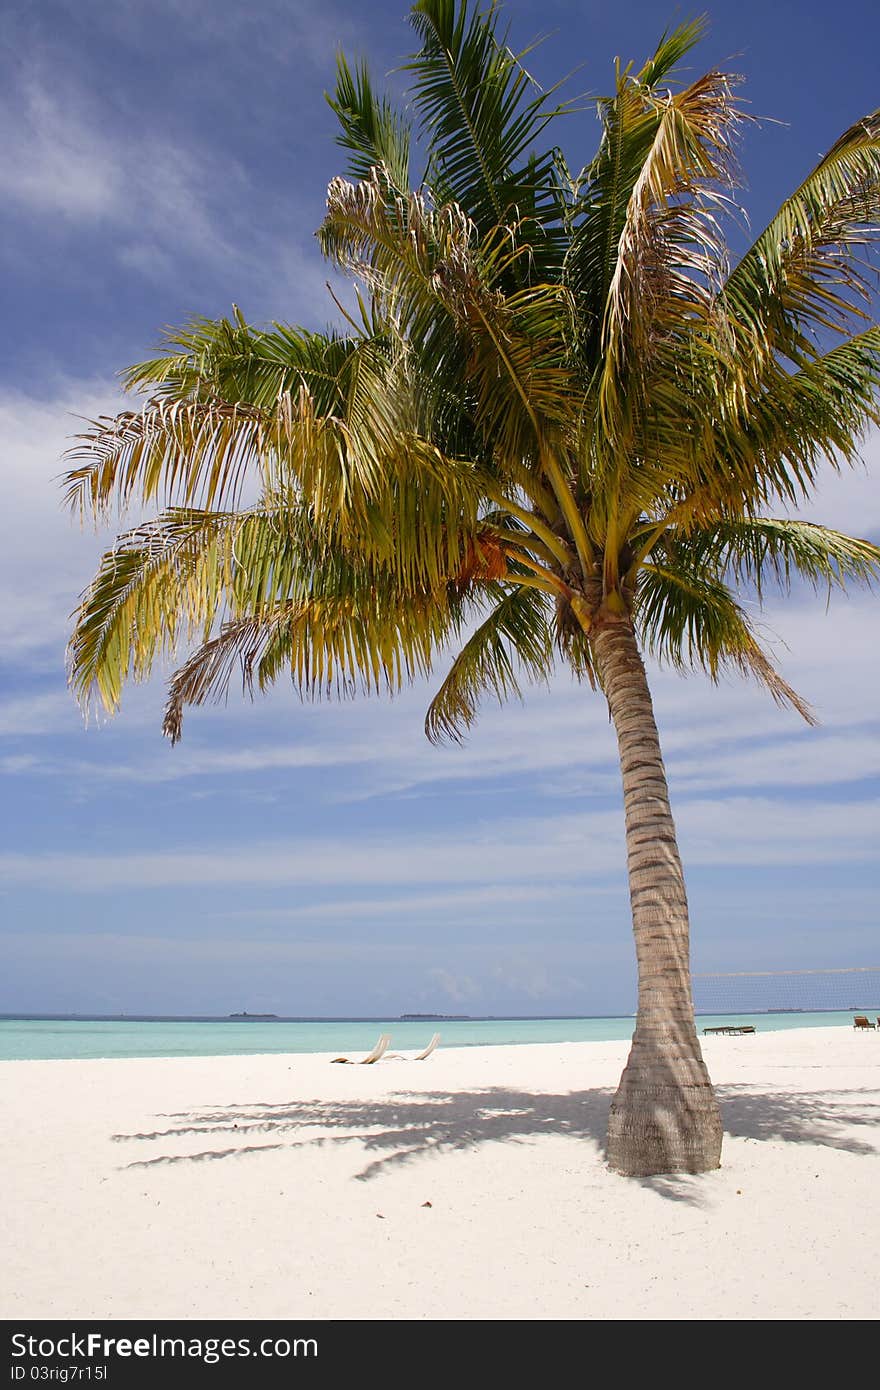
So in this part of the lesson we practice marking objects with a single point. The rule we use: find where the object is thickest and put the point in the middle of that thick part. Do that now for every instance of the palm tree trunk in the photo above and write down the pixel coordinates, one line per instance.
(664, 1117)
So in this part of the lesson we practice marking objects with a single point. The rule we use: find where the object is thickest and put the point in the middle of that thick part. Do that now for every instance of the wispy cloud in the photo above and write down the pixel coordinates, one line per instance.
(504, 899)
(737, 830)
(159, 205)
(36, 714)
(849, 499)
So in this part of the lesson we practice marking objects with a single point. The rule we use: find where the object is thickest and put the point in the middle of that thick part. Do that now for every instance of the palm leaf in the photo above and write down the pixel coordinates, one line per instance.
(221, 360)
(691, 620)
(158, 581)
(513, 639)
(370, 637)
(804, 274)
(772, 442)
(370, 129)
(750, 551)
(482, 114)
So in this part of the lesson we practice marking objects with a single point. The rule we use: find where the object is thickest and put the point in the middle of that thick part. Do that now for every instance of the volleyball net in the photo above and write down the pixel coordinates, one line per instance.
(853, 988)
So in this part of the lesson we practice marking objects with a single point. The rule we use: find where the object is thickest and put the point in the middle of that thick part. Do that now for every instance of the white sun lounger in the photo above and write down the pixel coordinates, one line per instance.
(378, 1051)
(420, 1056)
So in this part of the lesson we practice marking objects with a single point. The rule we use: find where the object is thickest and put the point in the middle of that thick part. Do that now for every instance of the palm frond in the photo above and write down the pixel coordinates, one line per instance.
(442, 283)
(368, 472)
(217, 359)
(643, 131)
(271, 576)
(159, 581)
(366, 637)
(690, 619)
(643, 267)
(190, 452)
(371, 130)
(482, 115)
(771, 443)
(805, 273)
(753, 550)
(734, 455)
(513, 640)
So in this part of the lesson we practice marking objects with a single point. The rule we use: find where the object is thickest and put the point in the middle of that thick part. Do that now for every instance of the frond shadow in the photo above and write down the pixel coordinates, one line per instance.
(398, 1129)
(408, 1127)
(814, 1118)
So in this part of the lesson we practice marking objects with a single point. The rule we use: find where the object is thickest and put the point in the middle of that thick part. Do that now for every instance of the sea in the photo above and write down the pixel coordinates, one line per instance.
(41, 1038)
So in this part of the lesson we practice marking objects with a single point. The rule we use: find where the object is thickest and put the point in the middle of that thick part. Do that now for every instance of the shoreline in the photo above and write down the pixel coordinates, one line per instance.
(74, 1039)
(469, 1186)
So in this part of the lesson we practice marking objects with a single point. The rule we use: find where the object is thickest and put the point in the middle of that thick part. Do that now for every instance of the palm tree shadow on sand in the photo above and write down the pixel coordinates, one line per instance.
(407, 1127)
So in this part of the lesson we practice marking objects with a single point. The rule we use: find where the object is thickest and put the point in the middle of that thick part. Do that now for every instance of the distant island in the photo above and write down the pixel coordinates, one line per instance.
(433, 1018)
(254, 1018)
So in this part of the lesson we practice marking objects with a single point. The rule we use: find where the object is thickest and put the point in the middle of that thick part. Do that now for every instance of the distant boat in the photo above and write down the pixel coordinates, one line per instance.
(254, 1018)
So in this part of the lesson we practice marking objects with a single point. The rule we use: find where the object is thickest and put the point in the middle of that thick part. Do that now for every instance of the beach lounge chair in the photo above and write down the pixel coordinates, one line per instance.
(733, 1029)
(862, 1021)
(378, 1051)
(420, 1056)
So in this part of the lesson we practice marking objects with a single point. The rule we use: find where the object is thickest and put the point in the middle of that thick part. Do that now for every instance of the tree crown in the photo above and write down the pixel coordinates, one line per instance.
(556, 406)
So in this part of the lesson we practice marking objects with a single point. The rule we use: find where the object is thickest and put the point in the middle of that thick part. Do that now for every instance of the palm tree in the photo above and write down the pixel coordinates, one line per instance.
(557, 427)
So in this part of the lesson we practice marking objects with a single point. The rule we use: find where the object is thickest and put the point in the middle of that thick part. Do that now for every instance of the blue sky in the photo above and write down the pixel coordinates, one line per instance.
(167, 157)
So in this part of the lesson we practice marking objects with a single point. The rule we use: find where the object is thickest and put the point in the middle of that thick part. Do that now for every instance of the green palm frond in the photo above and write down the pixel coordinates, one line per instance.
(558, 408)
(185, 452)
(691, 620)
(804, 273)
(217, 359)
(441, 282)
(394, 246)
(635, 120)
(750, 551)
(366, 637)
(482, 115)
(669, 252)
(774, 440)
(674, 45)
(369, 472)
(643, 267)
(160, 582)
(371, 130)
(730, 456)
(513, 640)
(172, 580)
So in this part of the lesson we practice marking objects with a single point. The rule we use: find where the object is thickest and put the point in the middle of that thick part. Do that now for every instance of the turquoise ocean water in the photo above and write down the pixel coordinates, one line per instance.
(38, 1039)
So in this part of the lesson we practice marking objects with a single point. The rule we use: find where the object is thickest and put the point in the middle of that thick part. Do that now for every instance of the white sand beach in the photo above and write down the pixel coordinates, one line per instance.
(468, 1186)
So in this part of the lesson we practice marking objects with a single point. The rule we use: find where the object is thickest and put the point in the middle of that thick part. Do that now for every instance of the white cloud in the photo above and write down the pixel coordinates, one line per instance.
(459, 989)
(808, 761)
(416, 906)
(273, 32)
(738, 830)
(849, 500)
(52, 163)
(37, 714)
(45, 558)
(765, 831)
(162, 208)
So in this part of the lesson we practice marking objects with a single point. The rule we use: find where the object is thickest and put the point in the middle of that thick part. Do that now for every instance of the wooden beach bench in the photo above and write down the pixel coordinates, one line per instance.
(733, 1029)
(862, 1021)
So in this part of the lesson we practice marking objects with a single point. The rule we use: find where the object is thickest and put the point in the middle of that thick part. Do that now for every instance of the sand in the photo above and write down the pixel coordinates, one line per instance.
(469, 1186)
